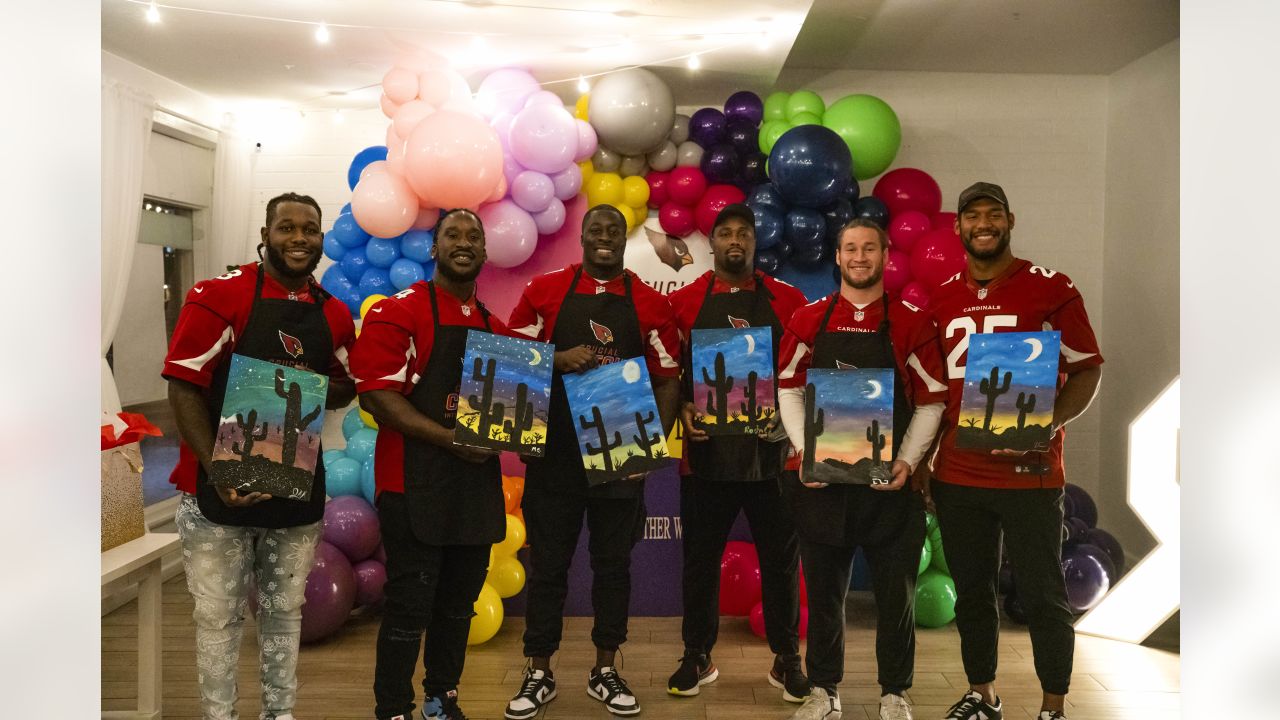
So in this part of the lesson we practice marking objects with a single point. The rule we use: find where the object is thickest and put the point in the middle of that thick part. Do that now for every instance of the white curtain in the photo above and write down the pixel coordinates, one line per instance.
(126, 129)
(233, 242)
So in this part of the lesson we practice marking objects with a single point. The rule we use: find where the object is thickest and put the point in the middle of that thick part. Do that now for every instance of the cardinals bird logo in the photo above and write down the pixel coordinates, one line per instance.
(845, 366)
(738, 322)
(292, 345)
(602, 333)
(671, 250)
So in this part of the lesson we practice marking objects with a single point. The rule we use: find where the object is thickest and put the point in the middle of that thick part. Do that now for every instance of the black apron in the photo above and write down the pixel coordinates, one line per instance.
(730, 457)
(561, 470)
(451, 501)
(856, 514)
(261, 340)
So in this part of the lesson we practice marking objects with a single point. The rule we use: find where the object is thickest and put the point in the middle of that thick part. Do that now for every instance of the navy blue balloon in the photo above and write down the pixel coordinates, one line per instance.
(810, 257)
(785, 249)
(804, 228)
(416, 245)
(376, 281)
(873, 209)
(336, 282)
(810, 166)
(765, 195)
(720, 163)
(348, 232)
(744, 105)
(852, 193)
(362, 160)
(706, 127)
(333, 249)
(752, 170)
(768, 260)
(405, 272)
(382, 252)
(742, 135)
(354, 265)
(836, 215)
(770, 226)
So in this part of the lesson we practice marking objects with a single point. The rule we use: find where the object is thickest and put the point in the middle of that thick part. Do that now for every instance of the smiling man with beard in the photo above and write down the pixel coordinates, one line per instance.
(274, 311)
(440, 504)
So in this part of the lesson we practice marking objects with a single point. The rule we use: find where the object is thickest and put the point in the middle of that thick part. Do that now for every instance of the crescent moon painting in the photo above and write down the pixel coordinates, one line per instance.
(751, 344)
(876, 389)
(1036, 348)
(537, 357)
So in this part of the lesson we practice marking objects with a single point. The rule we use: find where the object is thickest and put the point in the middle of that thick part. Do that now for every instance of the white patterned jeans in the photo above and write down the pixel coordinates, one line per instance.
(223, 564)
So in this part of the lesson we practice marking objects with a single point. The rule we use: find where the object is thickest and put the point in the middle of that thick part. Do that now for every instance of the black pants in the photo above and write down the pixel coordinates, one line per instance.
(554, 521)
(971, 520)
(708, 510)
(430, 588)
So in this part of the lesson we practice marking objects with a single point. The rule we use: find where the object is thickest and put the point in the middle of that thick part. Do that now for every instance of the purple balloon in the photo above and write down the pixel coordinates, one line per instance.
(330, 593)
(706, 127)
(1074, 530)
(511, 169)
(567, 182)
(544, 138)
(1109, 544)
(1082, 506)
(742, 135)
(720, 163)
(587, 140)
(752, 170)
(380, 554)
(371, 576)
(1087, 577)
(533, 191)
(744, 105)
(550, 220)
(351, 525)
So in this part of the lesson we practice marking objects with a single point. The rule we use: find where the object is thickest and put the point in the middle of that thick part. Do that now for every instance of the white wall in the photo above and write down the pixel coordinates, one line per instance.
(140, 342)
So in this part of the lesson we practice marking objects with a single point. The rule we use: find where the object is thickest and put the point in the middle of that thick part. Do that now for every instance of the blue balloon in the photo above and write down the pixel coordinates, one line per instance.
(810, 257)
(360, 445)
(770, 223)
(784, 249)
(348, 232)
(765, 195)
(330, 455)
(405, 272)
(382, 252)
(352, 423)
(361, 160)
(416, 245)
(768, 260)
(810, 165)
(345, 209)
(376, 281)
(872, 208)
(368, 488)
(353, 300)
(332, 248)
(354, 264)
(336, 282)
(852, 193)
(805, 228)
(342, 476)
(836, 215)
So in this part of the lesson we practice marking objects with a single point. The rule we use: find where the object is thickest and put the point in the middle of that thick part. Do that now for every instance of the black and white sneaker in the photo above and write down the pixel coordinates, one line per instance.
(696, 670)
(973, 707)
(609, 688)
(787, 676)
(538, 689)
(1050, 715)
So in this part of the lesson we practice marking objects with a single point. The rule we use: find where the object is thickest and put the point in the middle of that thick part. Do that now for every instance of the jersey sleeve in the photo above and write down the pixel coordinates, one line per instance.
(343, 329)
(661, 338)
(795, 351)
(525, 320)
(924, 366)
(204, 332)
(1079, 346)
(382, 357)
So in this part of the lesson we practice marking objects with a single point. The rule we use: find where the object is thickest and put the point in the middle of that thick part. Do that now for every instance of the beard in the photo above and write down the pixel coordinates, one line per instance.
(277, 260)
(1002, 244)
(862, 284)
(459, 276)
(736, 265)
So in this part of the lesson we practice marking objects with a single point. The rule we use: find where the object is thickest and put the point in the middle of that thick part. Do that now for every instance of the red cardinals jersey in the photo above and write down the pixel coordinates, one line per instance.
(1025, 298)
(214, 316)
(392, 353)
(686, 302)
(535, 314)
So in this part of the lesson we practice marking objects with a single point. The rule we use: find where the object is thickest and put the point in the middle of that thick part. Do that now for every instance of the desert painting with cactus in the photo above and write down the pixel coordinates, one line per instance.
(268, 436)
(504, 394)
(619, 432)
(1010, 383)
(848, 426)
(733, 379)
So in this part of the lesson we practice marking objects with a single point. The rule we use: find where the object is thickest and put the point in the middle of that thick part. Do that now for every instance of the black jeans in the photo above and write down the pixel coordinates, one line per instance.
(971, 520)
(708, 510)
(430, 588)
(554, 521)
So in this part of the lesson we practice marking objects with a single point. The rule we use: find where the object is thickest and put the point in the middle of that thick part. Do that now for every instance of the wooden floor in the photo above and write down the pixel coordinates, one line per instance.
(1112, 681)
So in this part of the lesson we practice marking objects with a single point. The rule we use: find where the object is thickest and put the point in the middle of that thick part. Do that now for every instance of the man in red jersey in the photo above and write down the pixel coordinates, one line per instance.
(595, 312)
(858, 327)
(981, 495)
(275, 311)
(440, 504)
(723, 475)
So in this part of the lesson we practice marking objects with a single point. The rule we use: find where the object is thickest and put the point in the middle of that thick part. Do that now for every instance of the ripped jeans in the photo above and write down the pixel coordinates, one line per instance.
(432, 589)
(223, 563)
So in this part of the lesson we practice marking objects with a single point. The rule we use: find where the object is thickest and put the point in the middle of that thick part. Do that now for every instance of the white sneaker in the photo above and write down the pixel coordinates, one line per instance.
(894, 707)
(1050, 715)
(820, 705)
(609, 688)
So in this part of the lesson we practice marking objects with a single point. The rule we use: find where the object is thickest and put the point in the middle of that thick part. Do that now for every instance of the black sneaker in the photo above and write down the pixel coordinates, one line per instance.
(696, 670)
(609, 688)
(787, 675)
(538, 689)
(442, 707)
(1050, 715)
(973, 707)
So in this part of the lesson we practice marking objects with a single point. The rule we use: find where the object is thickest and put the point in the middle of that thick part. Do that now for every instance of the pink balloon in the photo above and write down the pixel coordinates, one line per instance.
(686, 185)
(409, 115)
(499, 192)
(713, 201)
(544, 138)
(756, 620)
(676, 219)
(395, 155)
(532, 191)
(658, 181)
(377, 166)
(510, 235)
(392, 137)
(587, 140)
(916, 294)
(909, 189)
(384, 204)
(905, 227)
(567, 182)
(739, 578)
(438, 85)
(427, 218)
(400, 85)
(453, 160)
(943, 220)
(937, 255)
(897, 271)
(388, 107)
(505, 90)
(550, 220)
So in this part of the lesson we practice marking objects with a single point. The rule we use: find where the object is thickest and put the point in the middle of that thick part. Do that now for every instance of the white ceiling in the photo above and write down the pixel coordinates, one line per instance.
(265, 51)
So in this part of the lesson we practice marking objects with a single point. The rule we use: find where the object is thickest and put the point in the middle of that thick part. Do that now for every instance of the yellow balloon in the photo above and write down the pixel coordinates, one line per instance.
(587, 170)
(627, 214)
(369, 302)
(604, 189)
(368, 419)
(488, 616)
(507, 577)
(511, 543)
(580, 108)
(635, 191)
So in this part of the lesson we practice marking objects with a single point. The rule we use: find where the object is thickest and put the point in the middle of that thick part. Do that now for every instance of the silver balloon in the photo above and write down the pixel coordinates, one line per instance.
(689, 154)
(680, 129)
(605, 160)
(633, 165)
(631, 110)
(664, 158)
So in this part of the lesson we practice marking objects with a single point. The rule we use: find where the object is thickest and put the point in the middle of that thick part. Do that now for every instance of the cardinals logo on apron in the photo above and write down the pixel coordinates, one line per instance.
(602, 332)
(292, 345)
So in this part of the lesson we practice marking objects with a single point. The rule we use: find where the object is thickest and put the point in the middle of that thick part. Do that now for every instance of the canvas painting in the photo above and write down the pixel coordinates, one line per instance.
(505, 394)
(1010, 384)
(619, 432)
(733, 373)
(269, 434)
(848, 426)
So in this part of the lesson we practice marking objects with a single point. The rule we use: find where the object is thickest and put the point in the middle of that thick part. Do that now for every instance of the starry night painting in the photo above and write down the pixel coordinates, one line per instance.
(619, 432)
(733, 369)
(504, 394)
(848, 426)
(1010, 383)
(269, 433)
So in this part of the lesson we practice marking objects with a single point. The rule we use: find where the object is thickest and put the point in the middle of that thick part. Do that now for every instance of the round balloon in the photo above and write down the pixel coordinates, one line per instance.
(330, 593)
(905, 227)
(487, 618)
(804, 228)
(347, 232)
(361, 159)
(567, 183)
(720, 163)
(632, 165)
(936, 256)
(770, 226)
(416, 245)
(533, 191)
(871, 208)
(657, 182)
(835, 216)
(706, 127)
(715, 199)
(382, 252)
(354, 264)
(739, 578)
(506, 576)
(376, 281)
(371, 578)
(746, 106)
(897, 272)
(1087, 576)
(588, 143)
(802, 102)
(768, 260)
(631, 110)
(676, 219)
(752, 169)
(679, 129)
(1082, 505)
(908, 189)
(915, 294)
(510, 233)
(342, 477)
(605, 160)
(809, 165)
(935, 599)
(405, 272)
(544, 138)
(688, 154)
(333, 249)
(505, 90)
(453, 160)
(686, 186)
(869, 128)
(664, 158)
(604, 188)
(550, 221)
(775, 106)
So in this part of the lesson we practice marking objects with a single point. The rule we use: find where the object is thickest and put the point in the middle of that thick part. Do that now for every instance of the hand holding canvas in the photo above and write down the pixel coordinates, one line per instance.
(901, 471)
(575, 359)
(689, 415)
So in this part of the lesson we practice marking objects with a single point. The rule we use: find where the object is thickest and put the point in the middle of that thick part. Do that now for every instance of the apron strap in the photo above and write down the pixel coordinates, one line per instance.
(826, 317)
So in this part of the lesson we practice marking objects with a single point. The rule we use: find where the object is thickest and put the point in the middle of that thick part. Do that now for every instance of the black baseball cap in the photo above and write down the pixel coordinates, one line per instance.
(980, 190)
(734, 210)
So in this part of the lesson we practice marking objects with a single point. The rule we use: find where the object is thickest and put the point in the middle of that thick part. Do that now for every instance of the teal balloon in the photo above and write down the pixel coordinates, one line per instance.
(926, 556)
(352, 423)
(360, 446)
(342, 477)
(871, 130)
(367, 486)
(331, 455)
(935, 599)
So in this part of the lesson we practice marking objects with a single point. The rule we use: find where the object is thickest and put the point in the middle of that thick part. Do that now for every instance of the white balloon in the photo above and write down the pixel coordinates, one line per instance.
(631, 110)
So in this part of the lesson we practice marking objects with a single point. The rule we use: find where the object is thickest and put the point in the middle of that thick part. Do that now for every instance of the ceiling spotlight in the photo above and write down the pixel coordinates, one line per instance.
(694, 62)
(153, 13)
(766, 41)
(583, 86)
(322, 34)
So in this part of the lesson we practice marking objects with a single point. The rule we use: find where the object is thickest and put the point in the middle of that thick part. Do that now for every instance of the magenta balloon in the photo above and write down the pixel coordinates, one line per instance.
(371, 576)
(544, 138)
(936, 256)
(897, 272)
(909, 189)
(380, 554)
(510, 233)
(905, 227)
(567, 182)
(551, 219)
(533, 191)
(351, 525)
(384, 205)
(587, 140)
(916, 294)
(453, 160)
(505, 90)
(330, 593)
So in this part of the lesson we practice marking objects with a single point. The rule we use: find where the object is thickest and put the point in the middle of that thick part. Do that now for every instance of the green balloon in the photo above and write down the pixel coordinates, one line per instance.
(935, 599)
(939, 560)
(804, 101)
(930, 521)
(775, 106)
(805, 118)
(933, 536)
(926, 555)
(871, 130)
(770, 133)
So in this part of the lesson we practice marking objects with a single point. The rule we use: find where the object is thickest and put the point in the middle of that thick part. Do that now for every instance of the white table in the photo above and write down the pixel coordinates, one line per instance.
(137, 562)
